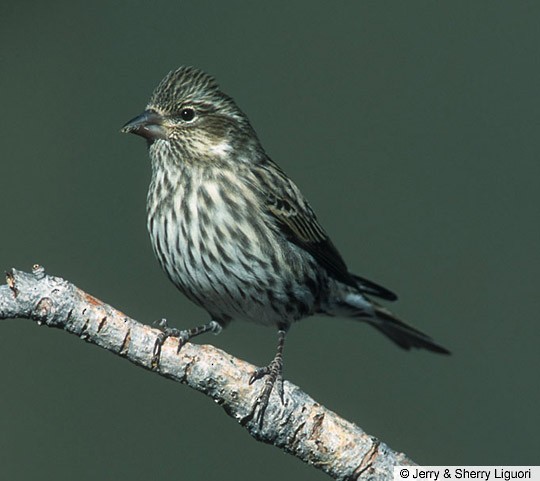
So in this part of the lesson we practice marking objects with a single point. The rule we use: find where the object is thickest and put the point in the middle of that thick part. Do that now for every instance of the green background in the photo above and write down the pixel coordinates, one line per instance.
(412, 127)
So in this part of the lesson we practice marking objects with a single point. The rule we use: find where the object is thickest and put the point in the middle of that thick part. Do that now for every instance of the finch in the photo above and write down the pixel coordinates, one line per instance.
(234, 233)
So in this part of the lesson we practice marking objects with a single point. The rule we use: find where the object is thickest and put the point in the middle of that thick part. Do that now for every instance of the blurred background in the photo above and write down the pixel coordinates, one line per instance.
(412, 127)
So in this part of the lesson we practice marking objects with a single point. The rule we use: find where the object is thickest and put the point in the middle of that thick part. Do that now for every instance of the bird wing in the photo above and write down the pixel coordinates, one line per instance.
(298, 223)
(300, 226)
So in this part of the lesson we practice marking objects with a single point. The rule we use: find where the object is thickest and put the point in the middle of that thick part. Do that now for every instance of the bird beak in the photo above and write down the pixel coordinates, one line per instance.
(149, 125)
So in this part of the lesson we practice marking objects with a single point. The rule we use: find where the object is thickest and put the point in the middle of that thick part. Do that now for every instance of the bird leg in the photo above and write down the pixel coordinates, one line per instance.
(183, 335)
(274, 372)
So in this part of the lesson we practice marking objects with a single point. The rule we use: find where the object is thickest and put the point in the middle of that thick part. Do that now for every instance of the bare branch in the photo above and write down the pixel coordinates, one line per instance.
(301, 426)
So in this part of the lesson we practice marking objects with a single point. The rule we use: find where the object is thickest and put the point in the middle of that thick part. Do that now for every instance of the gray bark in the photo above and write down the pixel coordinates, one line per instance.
(300, 426)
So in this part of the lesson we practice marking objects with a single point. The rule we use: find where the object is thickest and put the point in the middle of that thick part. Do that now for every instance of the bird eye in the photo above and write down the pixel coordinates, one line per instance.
(187, 114)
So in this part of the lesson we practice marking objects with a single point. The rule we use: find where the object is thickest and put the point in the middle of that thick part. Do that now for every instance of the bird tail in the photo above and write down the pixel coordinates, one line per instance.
(402, 334)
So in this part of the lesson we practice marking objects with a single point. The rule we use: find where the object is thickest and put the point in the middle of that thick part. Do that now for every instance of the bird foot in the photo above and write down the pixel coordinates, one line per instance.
(183, 336)
(273, 374)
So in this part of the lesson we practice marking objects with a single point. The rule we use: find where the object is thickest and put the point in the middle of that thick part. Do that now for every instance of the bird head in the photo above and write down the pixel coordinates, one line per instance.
(188, 110)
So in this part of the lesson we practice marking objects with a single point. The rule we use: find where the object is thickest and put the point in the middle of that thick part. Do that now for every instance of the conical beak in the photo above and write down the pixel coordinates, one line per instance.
(149, 125)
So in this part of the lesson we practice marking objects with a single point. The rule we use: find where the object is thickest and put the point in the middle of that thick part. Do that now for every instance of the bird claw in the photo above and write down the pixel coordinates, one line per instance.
(273, 371)
(166, 332)
(258, 374)
(160, 323)
(280, 388)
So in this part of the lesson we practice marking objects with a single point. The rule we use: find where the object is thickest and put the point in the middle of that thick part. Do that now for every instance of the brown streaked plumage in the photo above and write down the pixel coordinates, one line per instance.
(234, 233)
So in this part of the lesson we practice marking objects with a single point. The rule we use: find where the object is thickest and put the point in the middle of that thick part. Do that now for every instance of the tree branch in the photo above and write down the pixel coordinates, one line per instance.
(301, 426)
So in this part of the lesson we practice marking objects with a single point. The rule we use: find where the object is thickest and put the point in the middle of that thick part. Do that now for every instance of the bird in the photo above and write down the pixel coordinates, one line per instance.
(235, 234)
